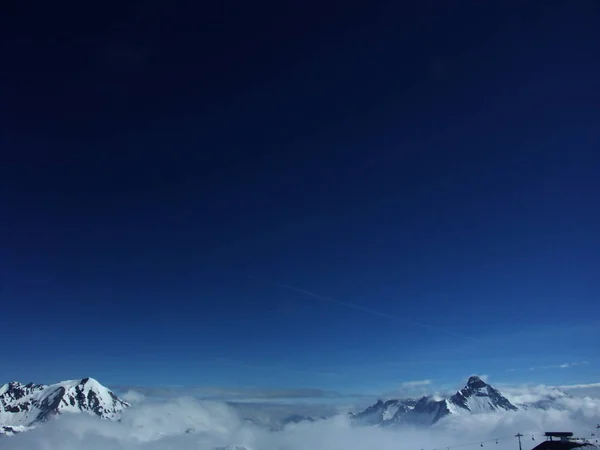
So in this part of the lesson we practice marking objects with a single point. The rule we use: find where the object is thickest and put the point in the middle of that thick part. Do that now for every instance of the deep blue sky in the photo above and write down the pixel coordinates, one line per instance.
(428, 174)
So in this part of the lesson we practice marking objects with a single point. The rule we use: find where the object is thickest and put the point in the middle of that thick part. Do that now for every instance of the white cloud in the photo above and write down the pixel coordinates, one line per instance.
(233, 394)
(133, 397)
(579, 386)
(416, 383)
(529, 393)
(582, 390)
(566, 365)
(167, 425)
(535, 393)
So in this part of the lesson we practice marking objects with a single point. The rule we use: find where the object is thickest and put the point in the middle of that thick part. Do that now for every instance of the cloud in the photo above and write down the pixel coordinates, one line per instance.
(566, 365)
(186, 424)
(225, 393)
(417, 383)
(582, 390)
(133, 397)
(536, 393)
(372, 312)
(529, 393)
(256, 393)
(579, 386)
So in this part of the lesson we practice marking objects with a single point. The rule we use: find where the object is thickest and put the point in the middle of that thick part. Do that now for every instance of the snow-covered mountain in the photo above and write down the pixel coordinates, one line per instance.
(553, 399)
(297, 418)
(476, 397)
(384, 412)
(24, 406)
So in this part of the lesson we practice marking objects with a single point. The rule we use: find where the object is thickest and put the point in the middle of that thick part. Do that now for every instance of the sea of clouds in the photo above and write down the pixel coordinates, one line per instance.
(187, 423)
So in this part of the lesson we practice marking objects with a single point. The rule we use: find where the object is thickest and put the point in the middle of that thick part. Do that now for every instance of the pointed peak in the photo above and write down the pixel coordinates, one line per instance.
(476, 382)
(90, 382)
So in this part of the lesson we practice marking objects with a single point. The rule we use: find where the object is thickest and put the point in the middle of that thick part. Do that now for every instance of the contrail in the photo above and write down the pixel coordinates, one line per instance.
(373, 312)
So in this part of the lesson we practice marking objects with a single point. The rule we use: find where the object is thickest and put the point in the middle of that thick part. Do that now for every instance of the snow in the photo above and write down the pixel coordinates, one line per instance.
(476, 397)
(479, 404)
(390, 411)
(36, 403)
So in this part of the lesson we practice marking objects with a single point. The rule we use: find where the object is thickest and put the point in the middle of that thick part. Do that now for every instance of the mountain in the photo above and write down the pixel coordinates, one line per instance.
(24, 406)
(383, 412)
(555, 399)
(297, 418)
(476, 397)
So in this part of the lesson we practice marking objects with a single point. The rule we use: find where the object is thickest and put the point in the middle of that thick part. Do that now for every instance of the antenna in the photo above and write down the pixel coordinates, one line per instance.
(519, 436)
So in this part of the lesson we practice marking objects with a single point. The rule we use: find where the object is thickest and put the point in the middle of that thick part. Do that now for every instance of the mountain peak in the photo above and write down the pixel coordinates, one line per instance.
(31, 404)
(477, 395)
(476, 382)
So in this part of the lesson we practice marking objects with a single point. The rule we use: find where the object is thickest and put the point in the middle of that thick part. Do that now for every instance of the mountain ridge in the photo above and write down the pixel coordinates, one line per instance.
(23, 406)
(475, 397)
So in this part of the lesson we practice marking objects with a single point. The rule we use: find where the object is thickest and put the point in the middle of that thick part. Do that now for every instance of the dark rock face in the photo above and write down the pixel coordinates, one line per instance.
(427, 411)
(7, 431)
(14, 391)
(49, 405)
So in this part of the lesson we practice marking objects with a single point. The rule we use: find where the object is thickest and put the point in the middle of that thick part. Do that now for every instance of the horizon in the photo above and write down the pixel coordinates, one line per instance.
(298, 397)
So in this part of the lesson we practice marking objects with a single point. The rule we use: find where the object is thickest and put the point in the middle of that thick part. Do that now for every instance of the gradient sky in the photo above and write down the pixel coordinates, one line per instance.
(322, 196)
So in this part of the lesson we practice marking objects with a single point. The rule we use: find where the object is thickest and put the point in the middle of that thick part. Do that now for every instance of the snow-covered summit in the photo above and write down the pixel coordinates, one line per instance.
(25, 405)
(476, 397)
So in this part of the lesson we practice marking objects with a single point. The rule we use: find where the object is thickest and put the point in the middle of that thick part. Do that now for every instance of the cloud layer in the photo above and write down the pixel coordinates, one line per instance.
(186, 423)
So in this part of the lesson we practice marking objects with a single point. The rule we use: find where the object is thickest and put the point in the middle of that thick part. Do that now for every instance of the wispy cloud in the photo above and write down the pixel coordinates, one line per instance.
(136, 394)
(566, 365)
(133, 396)
(579, 386)
(371, 311)
(561, 397)
(267, 393)
(416, 383)
(582, 390)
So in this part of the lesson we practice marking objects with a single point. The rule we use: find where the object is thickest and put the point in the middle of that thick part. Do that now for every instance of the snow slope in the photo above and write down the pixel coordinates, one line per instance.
(477, 397)
(24, 406)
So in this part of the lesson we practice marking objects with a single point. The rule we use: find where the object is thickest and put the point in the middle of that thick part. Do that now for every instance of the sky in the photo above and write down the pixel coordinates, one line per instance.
(325, 198)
